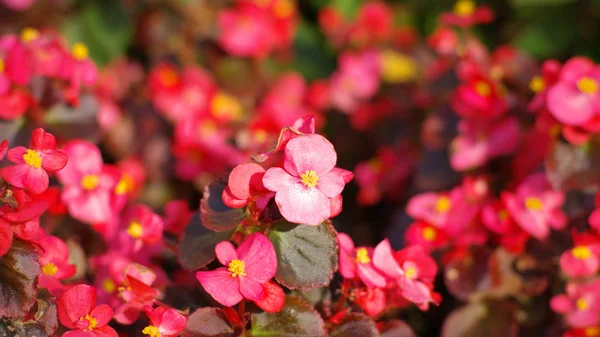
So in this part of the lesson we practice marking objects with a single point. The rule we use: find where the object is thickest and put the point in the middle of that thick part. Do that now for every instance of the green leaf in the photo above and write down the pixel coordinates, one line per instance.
(314, 59)
(215, 214)
(348, 8)
(208, 322)
(19, 269)
(197, 247)
(297, 319)
(307, 256)
(355, 325)
(532, 3)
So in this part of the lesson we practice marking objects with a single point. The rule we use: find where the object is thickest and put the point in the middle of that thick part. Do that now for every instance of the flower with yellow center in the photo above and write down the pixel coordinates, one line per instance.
(581, 252)
(109, 285)
(582, 304)
(225, 106)
(124, 185)
(90, 182)
(410, 273)
(443, 204)
(534, 204)
(135, 230)
(592, 331)
(537, 84)
(151, 331)
(464, 8)
(29, 34)
(283, 8)
(587, 85)
(33, 159)
(362, 256)
(309, 178)
(396, 67)
(429, 234)
(49, 269)
(237, 268)
(92, 322)
(80, 51)
(483, 89)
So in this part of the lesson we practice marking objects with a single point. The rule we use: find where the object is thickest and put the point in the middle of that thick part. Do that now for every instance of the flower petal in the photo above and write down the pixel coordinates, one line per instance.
(103, 314)
(569, 105)
(54, 160)
(383, 259)
(331, 184)
(259, 257)
(251, 289)
(225, 252)
(276, 179)
(309, 152)
(75, 303)
(223, 287)
(302, 205)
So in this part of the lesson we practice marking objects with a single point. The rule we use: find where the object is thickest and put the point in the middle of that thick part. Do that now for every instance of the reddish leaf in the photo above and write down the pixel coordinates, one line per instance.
(208, 322)
(396, 328)
(19, 268)
(493, 319)
(297, 319)
(572, 166)
(197, 247)
(215, 214)
(355, 325)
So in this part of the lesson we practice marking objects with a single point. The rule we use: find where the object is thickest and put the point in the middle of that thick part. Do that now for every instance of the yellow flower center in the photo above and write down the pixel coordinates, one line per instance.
(90, 182)
(92, 322)
(124, 185)
(592, 331)
(207, 128)
(429, 234)
(483, 89)
(33, 159)
(410, 273)
(236, 267)
(135, 230)
(397, 68)
(225, 106)
(464, 8)
(587, 85)
(151, 331)
(362, 256)
(534, 204)
(537, 84)
(283, 8)
(29, 34)
(80, 51)
(443, 204)
(1, 66)
(109, 285)
(582, 304)
(49, 269)
(581, 252)
(261, 135)
(310, 178)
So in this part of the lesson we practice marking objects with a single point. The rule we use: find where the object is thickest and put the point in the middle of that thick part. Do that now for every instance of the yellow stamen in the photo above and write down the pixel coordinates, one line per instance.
(80, 51)
(1, 66)
(90, 182)
(537, 84)
(443, 204)
(483, 89)
(33, 159)
(362, 256)
(135, 230)
(124, 185)
(207, 128)
(396, 67)
(310, 178)
(92, 322)
(582, 304)
(410, 273)
(283, 8)
(429, 234)
(151, 331)
(534, 204)
(592, 331)
(49, 269)
(109, 285)
(236, 267)
(225, 106)
(260, 135)
(587, 85)
(581, 252)
(29, 34)
(464, 8)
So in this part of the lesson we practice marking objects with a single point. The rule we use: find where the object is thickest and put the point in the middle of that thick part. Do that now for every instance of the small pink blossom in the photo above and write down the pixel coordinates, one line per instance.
(246, 31)
(247, 269)
(581, 260)
(356, 80)
(466, 13)
(580, 305)
(164, 322)
(356, 263)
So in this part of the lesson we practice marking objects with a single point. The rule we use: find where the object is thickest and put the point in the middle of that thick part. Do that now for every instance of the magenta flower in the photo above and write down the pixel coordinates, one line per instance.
(34, 164)
(581, 260)
(164, 322)
(246, 31)
(247, 269)
(355, 262)
(356, 80)
(536, 207)
(575, 99)
(308, 180)
(580, 305)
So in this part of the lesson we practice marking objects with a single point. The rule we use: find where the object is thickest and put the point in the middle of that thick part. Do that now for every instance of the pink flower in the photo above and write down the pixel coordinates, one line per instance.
(136, 293)
(426, 235)
(575, 99)
(87, 185)
(307, 183)
(143, 226)
(34, 164)
(536, 207)
(580, 305)
(466, 14)
(3, 148)
(479, 98)
(245, 181)
(77, 311)
(356, 80)
(164, 322)
(19, 5)
(247, 269)
(412, 268)
(581, 260)
(54, 262)
(355, 262)
(540, 84)
(477, 143)
(246, 31)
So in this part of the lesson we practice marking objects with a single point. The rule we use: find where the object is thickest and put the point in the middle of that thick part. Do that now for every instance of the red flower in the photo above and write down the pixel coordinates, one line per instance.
(33, 164)
(466, 14)
(3, 148)
(76, 311)
(165, 322)
(55, 260)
